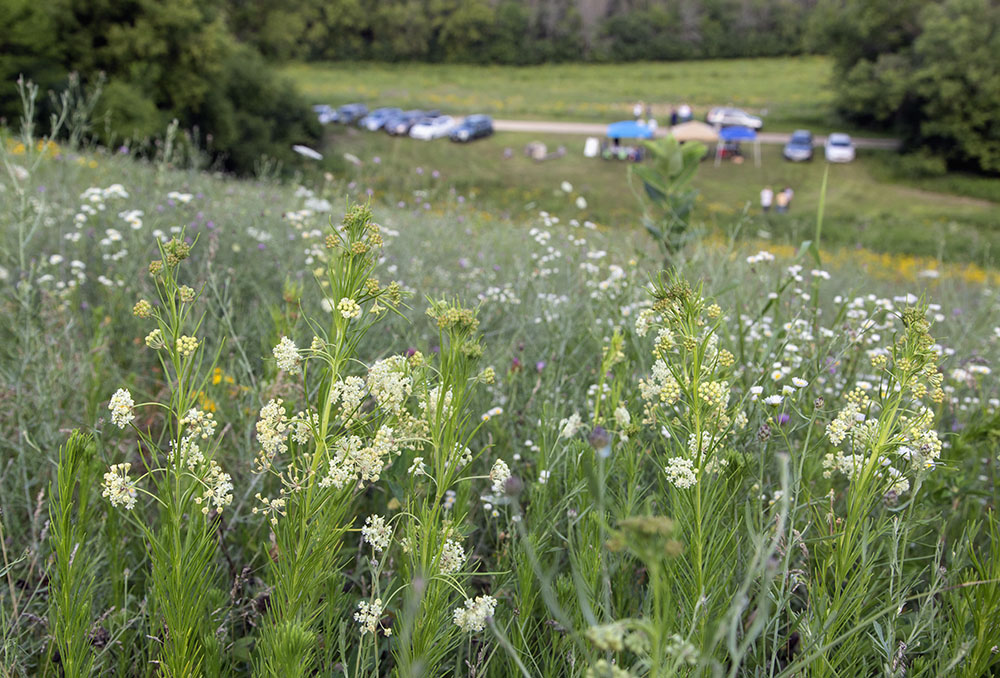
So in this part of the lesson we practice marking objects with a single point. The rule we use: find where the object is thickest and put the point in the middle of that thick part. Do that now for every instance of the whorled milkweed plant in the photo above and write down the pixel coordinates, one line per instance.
(399, 423)
(176, 470)
(884, 444)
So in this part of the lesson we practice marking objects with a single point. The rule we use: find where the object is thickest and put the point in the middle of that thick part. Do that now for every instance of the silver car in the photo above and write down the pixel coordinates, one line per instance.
(732, 117)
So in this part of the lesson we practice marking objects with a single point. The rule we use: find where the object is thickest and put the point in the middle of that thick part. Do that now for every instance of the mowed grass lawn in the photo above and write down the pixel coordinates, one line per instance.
(789, 92)
(862, 207)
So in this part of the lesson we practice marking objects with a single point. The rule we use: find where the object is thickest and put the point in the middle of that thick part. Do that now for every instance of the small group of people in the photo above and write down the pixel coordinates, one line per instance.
(678, 114)
(617, 151)
(781, 200)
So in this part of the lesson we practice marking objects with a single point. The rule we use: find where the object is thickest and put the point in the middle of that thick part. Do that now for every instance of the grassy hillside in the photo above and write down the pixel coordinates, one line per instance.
(865, 206)
(546, 459)
(789, 92)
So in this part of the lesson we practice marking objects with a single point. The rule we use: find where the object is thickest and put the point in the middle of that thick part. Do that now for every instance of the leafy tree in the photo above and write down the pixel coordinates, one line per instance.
(164, 59)
(927, 70)
(956, 82)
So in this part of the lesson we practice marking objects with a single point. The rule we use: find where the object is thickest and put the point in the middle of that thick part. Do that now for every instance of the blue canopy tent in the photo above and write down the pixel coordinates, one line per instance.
(629, 129)
(626, 129)
(736, 134)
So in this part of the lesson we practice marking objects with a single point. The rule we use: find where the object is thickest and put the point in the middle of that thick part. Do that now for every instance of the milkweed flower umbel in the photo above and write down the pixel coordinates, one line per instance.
(377, 532)
(499, 475)
(121, 408)
(472, 618)
(286, 353)
(119, 488)
(348, 308)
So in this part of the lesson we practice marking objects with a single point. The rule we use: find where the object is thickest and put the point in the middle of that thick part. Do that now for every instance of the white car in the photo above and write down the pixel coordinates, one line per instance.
(839, 148)
(433, 128)
(732, 117)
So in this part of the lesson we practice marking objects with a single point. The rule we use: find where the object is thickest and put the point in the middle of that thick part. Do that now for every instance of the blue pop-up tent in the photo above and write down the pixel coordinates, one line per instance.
(736, 134)
(629, 129)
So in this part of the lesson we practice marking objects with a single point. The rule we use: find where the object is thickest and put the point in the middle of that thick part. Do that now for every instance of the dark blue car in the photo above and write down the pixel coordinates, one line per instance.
(800, 146)
(349, 113)
(377, 118)
(473, 127)
(400, 125)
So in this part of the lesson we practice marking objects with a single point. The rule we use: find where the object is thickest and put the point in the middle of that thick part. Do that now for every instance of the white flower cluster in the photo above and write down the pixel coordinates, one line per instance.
(681, 473)
(569, 426)
(218, 489)
(388, 382)
(452, 557)
(199, 424)
(121, 408)
(369, 615)
(119, 488)
(377, 532)
(351, 392)
(499, 475)
(272, 431)
(472, 618)
(286, 353)
(355, 461)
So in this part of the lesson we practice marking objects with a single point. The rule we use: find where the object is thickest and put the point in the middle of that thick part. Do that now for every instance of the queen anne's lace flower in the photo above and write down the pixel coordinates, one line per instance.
(472, 618)
(286, 353)
(121, 408)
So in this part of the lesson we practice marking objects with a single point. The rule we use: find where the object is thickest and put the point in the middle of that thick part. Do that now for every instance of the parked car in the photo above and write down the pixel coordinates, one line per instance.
(729, 117)
(401, 124)
(432, 128)
(839, 148)
(349, 113)
(800, 146)
(377, 118)
(473, 127)
(325, 113)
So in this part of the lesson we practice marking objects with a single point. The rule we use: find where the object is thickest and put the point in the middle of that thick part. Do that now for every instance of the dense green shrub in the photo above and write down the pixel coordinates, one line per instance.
(927, 70)
(164, 61)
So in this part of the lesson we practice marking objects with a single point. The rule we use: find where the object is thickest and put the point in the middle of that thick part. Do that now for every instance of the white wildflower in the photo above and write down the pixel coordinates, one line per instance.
(286, 353)
(499, 475)
(452, 557)
(472, 618)
(118, 487)
(121, 408)
(377, 532)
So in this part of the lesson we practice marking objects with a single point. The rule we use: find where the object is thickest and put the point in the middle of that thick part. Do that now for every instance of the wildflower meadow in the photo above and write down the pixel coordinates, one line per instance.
(279, 428)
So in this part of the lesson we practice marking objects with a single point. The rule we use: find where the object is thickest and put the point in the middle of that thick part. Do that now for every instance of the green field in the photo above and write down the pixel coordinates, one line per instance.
(536, 487)
(788, 92)
(864, 206)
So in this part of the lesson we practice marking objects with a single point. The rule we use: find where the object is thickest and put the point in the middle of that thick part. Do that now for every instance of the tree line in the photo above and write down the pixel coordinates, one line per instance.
(521, 32)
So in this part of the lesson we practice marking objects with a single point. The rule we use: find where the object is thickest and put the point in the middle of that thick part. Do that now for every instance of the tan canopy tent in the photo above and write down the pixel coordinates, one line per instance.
(695, 131)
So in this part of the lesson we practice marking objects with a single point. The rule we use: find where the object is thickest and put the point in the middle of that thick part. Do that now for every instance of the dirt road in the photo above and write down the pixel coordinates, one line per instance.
(599, 130)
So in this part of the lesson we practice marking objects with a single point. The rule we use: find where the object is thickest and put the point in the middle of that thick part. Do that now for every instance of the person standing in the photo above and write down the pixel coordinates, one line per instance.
(766, 198)
(781, 202)
(673, 117)
(637, 111)
(789, 194)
